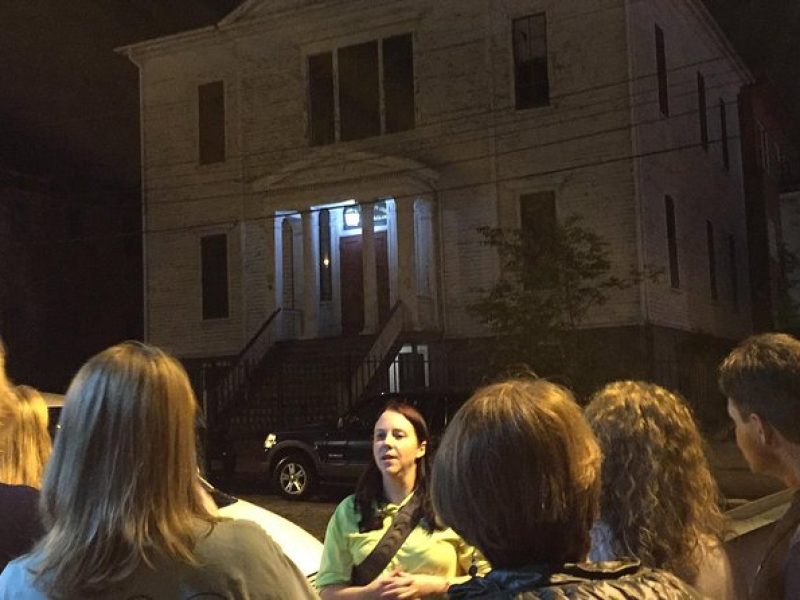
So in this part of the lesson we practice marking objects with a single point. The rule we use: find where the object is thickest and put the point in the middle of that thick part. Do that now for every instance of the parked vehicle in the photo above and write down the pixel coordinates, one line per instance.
(297, 460)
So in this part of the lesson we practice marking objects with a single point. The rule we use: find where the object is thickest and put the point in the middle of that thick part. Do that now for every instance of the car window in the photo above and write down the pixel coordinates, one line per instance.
(367, 413)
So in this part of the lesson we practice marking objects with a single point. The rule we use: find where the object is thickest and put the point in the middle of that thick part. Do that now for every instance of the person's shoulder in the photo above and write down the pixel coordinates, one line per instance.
(16, 580)
(19, 492)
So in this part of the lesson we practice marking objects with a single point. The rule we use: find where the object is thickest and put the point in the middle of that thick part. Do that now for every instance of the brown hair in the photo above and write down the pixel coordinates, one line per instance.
(369, 490)
(24, 440)
(762, 375)
(517, 474)
(122, 484)
(658, 496)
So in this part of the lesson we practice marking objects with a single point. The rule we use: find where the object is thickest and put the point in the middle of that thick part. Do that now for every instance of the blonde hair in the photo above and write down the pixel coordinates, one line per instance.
(658, 496)
(517, 474)
(122, 485)
(24, 439)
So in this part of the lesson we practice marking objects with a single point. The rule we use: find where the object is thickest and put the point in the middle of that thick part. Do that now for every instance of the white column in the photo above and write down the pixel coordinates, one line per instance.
(310, 278)
(369, 269)
(406, 260)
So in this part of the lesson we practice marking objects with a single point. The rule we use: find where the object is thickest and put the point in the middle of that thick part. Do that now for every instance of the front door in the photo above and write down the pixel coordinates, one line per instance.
(352, 281)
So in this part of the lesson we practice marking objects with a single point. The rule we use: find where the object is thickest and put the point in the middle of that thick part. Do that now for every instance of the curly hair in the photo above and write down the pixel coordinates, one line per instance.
(658, 496)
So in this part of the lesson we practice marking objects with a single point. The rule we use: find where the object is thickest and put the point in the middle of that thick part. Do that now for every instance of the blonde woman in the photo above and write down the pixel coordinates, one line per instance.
(121, 501)
(659, 502)
(24, 450)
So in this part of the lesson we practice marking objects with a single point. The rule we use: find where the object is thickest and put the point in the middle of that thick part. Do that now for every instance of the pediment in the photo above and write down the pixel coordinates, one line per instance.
(333, 169)
(252, 10)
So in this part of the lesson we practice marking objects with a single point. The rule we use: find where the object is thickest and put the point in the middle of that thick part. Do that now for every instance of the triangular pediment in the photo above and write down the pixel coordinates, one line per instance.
(326, 169)
(251, 10)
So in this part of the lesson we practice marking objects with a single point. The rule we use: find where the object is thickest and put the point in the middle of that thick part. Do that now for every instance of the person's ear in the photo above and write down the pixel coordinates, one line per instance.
(764, 431)
(423, 447)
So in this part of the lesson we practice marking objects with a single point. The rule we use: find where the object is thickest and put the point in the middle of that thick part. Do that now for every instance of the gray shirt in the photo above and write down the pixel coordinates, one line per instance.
(238, 561)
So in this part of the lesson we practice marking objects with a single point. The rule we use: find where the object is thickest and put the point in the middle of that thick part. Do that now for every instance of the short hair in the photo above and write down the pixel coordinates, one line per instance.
(24, 439)
(517, 474)
(658, 496)
(369, 490)
(762, 375)
(122, 484)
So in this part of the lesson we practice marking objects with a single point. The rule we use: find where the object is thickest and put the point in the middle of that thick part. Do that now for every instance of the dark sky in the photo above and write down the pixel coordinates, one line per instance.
(69, 104)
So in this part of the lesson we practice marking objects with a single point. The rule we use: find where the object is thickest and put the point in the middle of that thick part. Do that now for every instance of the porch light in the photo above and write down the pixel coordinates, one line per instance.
(326, 261)
(352, 217)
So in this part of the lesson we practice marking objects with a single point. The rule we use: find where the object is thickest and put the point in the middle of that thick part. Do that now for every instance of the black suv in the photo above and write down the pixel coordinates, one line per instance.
(297, 460)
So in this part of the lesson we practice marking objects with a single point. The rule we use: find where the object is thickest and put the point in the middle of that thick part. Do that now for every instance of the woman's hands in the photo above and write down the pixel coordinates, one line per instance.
(406, 586)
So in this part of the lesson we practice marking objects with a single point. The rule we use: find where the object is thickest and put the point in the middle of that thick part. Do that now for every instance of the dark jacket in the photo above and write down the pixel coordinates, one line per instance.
(20, 525)
(618, 580)
(778, 575)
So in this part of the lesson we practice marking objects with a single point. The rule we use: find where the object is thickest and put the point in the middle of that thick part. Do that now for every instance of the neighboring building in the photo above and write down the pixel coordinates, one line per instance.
(66, 285)
(771, 164)
(334, 158)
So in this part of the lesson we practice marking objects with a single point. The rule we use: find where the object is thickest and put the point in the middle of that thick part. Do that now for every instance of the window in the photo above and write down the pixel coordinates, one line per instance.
(325, 267)
(672, 243)
(320, 91)
(538, 225)
(214, 268)
(531, 80)
(712, 260)
(287, 246)
(723, 127)
(734, 274)
(211, 122)
(360, 72)
(661, 69)
(701, 110)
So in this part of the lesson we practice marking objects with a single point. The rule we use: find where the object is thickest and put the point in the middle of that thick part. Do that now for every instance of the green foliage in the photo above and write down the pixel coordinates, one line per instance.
(545, 289)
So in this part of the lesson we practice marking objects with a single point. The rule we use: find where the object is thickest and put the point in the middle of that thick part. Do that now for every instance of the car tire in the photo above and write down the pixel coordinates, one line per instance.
(294, 477)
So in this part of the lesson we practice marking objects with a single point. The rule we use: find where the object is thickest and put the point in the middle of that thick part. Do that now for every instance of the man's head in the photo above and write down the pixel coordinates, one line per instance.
(761, 379)
(517, 474)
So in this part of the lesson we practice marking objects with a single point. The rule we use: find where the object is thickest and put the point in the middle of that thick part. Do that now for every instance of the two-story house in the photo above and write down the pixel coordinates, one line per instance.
(334, 158)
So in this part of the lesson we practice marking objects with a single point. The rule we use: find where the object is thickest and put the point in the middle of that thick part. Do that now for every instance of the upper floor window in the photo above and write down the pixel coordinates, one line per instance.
(214, 272)
(531, 80)
(701, 110)
(362, 90)
(712, 259)
(211, 122)
(672, 243)
(723, 128)
(661, 70)
(538, 226)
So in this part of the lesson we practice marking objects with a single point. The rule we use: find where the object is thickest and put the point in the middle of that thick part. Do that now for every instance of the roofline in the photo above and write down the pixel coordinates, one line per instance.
(237, 12)
(131, 50)
(706, 17)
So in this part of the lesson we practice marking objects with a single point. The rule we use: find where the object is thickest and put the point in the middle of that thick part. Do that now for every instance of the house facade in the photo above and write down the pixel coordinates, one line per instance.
(334, 159)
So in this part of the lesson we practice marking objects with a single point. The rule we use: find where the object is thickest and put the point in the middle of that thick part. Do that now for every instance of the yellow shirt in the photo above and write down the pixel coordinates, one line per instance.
(441, 552)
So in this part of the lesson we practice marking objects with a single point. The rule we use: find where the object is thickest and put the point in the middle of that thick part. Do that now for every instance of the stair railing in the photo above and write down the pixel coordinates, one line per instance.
(234, 384)
(378, 352)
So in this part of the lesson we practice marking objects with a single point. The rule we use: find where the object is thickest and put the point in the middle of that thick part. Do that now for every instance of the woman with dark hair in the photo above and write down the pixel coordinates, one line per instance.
(385, 541)
(124, 512)
(659, 501)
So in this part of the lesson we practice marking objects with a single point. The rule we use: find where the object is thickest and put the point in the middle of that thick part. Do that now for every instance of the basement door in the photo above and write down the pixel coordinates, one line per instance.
(352, 281)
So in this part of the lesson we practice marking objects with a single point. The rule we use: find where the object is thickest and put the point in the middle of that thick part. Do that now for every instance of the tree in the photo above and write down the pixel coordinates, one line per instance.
(546, 287)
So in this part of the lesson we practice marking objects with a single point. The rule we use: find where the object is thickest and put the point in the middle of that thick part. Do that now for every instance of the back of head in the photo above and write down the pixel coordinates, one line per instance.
(517, 474)
(121, 487)
(24, 439)
(658, 496)
(5, 384)
(762, 375)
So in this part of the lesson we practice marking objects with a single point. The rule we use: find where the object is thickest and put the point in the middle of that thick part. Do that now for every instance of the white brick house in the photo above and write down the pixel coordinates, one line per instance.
(426, 119)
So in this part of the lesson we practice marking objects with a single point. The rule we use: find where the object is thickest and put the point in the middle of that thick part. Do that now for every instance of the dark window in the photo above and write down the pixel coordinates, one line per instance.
(712, 260)
(531, 80)
(672, 243)
(734, 271)
(661, 69)
(723, 127)
(211, 122)
(214, 259)
(398, 82)
(538, 226)
(359, 95)
(701, 110)
(325, 258)
(320, 77)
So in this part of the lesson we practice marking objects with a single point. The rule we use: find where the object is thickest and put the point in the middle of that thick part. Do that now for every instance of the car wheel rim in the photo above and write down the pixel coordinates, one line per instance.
(293, 479)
